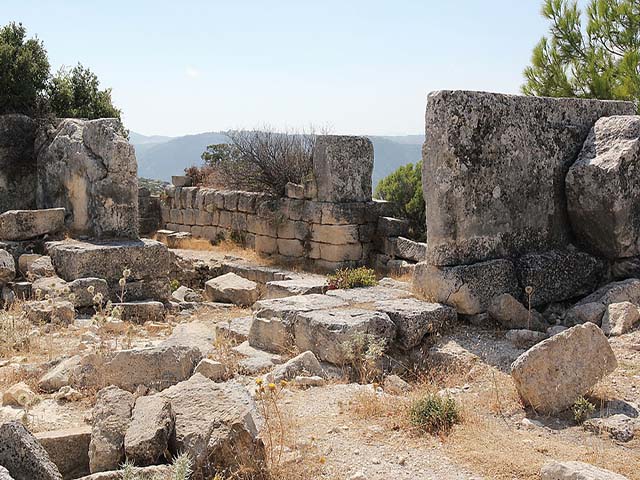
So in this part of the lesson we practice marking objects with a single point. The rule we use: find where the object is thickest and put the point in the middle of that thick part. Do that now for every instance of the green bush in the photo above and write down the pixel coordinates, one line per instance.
(582, 409)
(352, 278)
(404, 187)
(434, 414)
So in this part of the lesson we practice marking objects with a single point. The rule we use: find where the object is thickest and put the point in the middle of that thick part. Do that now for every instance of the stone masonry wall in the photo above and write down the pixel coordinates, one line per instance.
(325, 235)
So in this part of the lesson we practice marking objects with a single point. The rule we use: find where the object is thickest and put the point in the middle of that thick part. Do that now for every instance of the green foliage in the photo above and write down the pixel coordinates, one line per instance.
(404, 187)
(24, 70)
(352, 278)
(582, 409)
(434, 413)
(217, 154)
(597, 61)
(76, 93)
(26, 85)
(174, 284)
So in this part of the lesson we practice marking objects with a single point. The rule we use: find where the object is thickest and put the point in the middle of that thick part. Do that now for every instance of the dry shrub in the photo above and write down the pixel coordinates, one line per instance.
(15, 329)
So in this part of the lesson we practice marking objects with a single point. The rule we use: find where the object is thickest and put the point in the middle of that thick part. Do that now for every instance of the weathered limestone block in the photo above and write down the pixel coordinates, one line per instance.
(211, 369)
(142, 311)
(576, 471)
(513, 315)
(68, 449)
(392, 227)
(41, 267)
(23, 456)
(272, 334)
(39, 312)
(304, 364)
(217, 424)
(326, 332)
(615, 292)
(293, 229)
(410, 250)
(19, 395)
(343, 213)
(181, 181)
(468, 288)
(231, 288)
(18, 172)
(111, 416)
(342, 168)
(26, 224)
(523, 338)
(148, 261)
(554, 373)
(620, 318)
(298, 286)
(7, 267)
(414, 319)
(154, 367)
(603, 188)
(90, 169)
(335, 234)
(494, 171)
(583, 313)
(80, 289)
(147, 437)
(293, 190)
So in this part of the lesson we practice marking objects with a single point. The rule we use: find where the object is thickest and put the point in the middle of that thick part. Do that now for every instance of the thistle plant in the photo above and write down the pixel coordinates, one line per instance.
(268, 397)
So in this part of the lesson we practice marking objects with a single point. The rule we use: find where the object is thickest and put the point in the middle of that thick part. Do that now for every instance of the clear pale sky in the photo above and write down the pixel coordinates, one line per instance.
(358, 67)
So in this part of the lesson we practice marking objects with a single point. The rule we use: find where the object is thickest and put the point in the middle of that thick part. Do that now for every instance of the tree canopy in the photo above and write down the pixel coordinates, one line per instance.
(404, 187)
(27, 86)
(24, 71)
(592, 54)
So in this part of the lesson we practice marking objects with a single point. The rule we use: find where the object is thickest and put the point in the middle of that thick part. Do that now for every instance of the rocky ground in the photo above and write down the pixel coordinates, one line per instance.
(323, 424)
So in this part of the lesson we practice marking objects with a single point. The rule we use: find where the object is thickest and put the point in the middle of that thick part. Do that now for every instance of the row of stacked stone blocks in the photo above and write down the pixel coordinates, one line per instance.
(330, 223)
(330, 234)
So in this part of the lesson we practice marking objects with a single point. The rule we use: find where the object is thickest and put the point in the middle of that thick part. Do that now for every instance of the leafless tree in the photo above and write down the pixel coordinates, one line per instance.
(265, 160)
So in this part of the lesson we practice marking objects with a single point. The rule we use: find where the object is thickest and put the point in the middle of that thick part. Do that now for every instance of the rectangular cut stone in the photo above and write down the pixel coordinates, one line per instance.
(494, 171)
(203, 218)
(343, 213)
(247, 202)
(175, 215)
(293, 229)
(342, 168)
(26, 224)
(266, 245)
(225, 219)
(410, 250)
(230, 200)
(468, 288)
(148, 261)
(341, 253)
(290, 247)
(335, 234)
(68, 449)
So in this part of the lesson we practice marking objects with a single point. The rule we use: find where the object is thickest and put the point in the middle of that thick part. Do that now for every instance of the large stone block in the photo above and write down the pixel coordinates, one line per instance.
(26, 224)
(18, 172)
(554, 373)
(326, 333)
(342, 168)
(23, 456)
(68, 449)
(90, 169)
(494, 171)
(603, 188)
(147, 260)
(468, 288)
(558, 275)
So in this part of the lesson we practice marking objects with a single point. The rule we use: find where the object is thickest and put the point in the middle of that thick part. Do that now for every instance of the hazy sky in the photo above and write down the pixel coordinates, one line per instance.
(358, 67)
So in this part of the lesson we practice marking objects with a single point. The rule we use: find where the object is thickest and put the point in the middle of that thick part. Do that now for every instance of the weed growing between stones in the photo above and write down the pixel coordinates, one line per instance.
(268, 398)
(15, 330)
(363, 353)
(582, 409)
(181, 469)
(434, 413)
(352, 278)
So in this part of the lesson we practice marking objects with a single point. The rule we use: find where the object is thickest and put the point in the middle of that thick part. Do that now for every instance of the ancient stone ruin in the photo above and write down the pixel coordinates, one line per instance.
(131, 332)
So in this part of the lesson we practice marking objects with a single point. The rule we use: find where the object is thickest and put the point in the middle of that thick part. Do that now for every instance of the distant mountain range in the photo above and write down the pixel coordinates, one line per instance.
(160, 157)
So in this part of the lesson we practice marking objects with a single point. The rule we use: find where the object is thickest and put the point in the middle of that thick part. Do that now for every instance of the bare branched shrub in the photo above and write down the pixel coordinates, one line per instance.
(259, 160)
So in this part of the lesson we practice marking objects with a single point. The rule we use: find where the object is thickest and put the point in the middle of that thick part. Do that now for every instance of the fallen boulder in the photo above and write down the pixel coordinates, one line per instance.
(7, 267)
(231, 288)
(305, 363)
(620, 318)
(554, 373)
(511, 314)
(217, 424)
(576, 471)
(414, 319)
(147, 438)
(23, 456)
(26, 224)
(603, 188)
(111, 417)
(327, 333)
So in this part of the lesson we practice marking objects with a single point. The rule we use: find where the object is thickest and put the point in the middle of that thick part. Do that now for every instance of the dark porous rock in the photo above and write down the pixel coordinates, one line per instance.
(468, 288)
(27, 224)
(23, 456)
(603, 188)
(494, 171)
(513, 315)
(558, 275)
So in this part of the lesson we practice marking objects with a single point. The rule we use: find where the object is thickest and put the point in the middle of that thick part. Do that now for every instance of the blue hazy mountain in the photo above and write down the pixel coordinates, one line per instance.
(159, 157)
